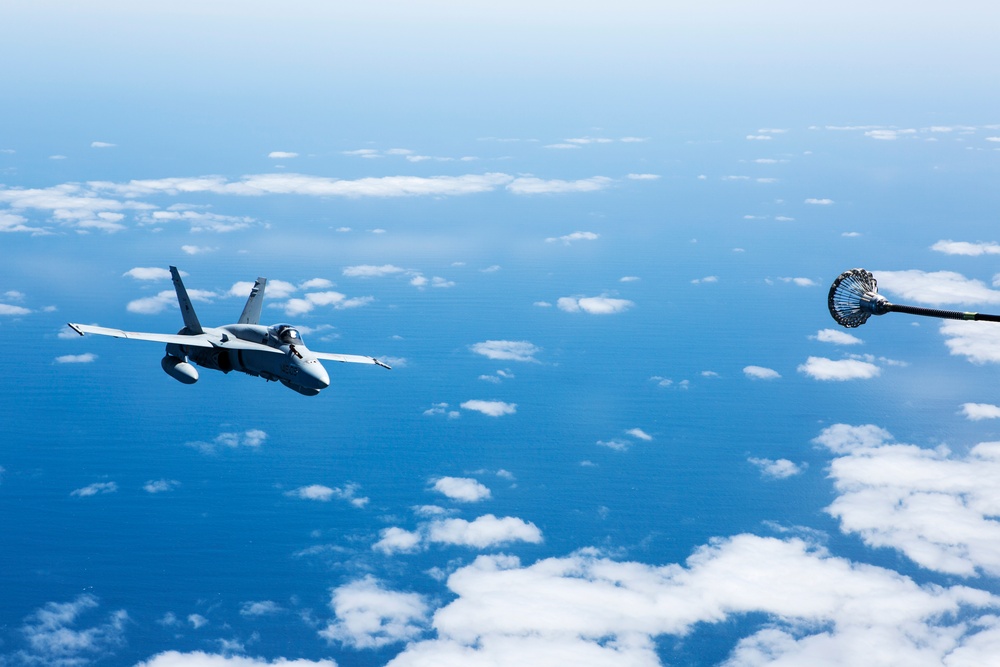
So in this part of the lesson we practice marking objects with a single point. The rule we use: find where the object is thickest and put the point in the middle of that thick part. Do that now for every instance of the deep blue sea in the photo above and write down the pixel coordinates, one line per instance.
(712, 292)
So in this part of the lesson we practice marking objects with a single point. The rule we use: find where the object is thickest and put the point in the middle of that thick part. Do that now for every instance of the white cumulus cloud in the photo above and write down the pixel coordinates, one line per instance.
(821, 368)
(593, 305)
(977, 341)
(485, 531)
(761, 373)
(776, 469)
(588, 609)
(85, 358)
(937, 508)
(149, 273)
(575, 236)
(464, 489)
(529, 185)
(936, 288)
(965, 248)
(325, 494)
(836, 337)
(202, 659)
(507, 350)
(490, 408)
(979, 411)
(368, 615)
(94, 489)
(370, 271)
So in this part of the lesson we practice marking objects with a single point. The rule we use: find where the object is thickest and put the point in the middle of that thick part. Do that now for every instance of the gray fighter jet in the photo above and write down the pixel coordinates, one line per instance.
(273, 353)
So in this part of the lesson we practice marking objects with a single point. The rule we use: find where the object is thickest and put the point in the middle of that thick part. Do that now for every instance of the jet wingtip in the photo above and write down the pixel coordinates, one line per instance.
(74, 327)
(382, 364)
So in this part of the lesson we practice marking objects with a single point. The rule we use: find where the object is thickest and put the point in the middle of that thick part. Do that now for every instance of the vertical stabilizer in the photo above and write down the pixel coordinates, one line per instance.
(187, 310)
(251, 311)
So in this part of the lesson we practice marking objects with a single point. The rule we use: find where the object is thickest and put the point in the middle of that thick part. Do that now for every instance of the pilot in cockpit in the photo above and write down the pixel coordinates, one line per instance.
(288, 335)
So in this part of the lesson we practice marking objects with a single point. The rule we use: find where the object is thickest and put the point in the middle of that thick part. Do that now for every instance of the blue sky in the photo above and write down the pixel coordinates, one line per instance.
(594, 241)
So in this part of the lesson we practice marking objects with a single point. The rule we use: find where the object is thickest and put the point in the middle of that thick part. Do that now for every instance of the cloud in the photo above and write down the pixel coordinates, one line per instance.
(507, 350)
(639, 433)
(316, 283)
(325, 494)
(801, 282)
(367, 615)
(463, 489)
(529, 185)
(616, 444)
(888, 134)
(819, 202)
(779, 469)
(979, 411)
(761, 373)
(95, 489)
(101, 144)
(821, 368)
(72, 204)
(53, 639)
(583, 141)
(966, 248)
(978, 342)
(317, 186)
(643, 177)
(281, 155)
(442, 409)
(593, 305)
(197, 621)
(10, 222)
(7, 309)
(149, 273)
(160, 485)
(151, 305)
(294, 307)
(836, 337)
(588, 609)
(260, 608)
(276, 289)
(196, 250)
(936, 288)
(575, 236)
(937, 508)
(200, 221)
(485, 531)
(369, 271)
(85, 358)
(252, 438)
(397, 540)
(202, 659)
(490, 408)
(706, 279)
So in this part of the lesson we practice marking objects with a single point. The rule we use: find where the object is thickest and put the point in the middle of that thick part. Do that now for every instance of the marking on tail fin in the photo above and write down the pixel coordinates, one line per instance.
(251, 311)
(187, 310)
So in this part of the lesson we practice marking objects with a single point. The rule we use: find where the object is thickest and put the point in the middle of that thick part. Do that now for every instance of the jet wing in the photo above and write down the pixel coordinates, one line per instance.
(349, 358)
(192, 340)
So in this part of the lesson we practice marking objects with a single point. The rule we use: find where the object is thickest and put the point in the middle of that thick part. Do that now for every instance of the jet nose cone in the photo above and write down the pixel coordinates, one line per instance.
(314, 376)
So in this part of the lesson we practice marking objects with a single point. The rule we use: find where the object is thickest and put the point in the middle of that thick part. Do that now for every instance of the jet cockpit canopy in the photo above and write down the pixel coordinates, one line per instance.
(287, 334)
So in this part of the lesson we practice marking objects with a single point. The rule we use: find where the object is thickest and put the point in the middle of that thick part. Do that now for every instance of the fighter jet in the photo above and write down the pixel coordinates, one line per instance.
(273, 352)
